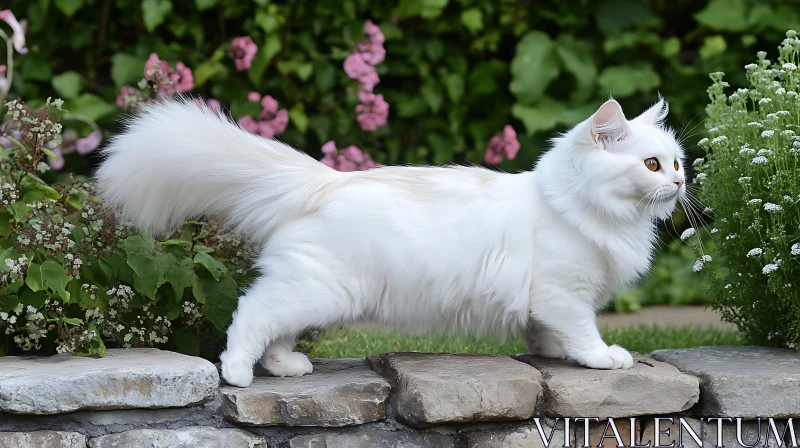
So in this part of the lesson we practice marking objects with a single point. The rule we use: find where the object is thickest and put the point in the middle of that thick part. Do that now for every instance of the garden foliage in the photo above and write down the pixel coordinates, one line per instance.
(751, 181)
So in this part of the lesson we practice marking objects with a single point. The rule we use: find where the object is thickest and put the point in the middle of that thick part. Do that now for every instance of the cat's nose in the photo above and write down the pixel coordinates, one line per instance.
(679, 183)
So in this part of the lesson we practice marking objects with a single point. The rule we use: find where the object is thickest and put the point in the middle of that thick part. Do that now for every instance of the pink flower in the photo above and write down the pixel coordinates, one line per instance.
(182, 78)
(248, 124)
(253, 97)
(155, 63)
(349, 159)
(275, 126)
(59, 162)
(373, 111)
(129, 97)
(3, 69)
(501, 146)
(18, 36)
(242, 51)
(269, 107)
(372, 53)
(329, 148)
(356, 67)
(89, 143)
(373, 32)
(212, 104)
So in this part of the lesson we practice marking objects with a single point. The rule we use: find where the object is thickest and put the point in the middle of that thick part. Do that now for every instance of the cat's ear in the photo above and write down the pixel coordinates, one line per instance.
(655, 115)
(609, 124)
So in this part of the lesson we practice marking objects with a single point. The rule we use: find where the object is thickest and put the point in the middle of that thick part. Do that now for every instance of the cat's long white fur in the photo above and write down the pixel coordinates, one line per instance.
(421, 248)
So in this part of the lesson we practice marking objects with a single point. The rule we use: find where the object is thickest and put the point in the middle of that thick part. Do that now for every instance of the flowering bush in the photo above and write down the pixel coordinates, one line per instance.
(751, 181)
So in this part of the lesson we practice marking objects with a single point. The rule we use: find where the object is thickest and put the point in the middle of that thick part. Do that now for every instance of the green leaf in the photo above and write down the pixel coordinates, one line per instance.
(35, 299)
(724, 15)
(713, 46)
(187, 342)
(206, 71)
(616, 15)
(72, 320)
(5, 223)
(149, 265)
(154, 12)
(91, 106)
(180, 276)
(69, 7)
(472, 20)
(432, 94)
(55, 279)
(220, 299)
(267, 21)
(205, 4)
(214, 267)
(304, 71)
(298, 116)
(625, 80)
(267, 51)
(39, 191)
(68, 84)
(538, 118)
(33, 277)
(427, 9)
(125, 68)
(534, 66)
(576, 57)
(454, 84)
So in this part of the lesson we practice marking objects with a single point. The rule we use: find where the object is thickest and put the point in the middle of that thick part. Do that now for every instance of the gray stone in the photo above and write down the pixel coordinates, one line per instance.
(746, 382)
(649, 387)
(442, 388)
(340, 392)
(525, 436)
(373, 439)
(42, 439)
(123, 379)
(189, 437)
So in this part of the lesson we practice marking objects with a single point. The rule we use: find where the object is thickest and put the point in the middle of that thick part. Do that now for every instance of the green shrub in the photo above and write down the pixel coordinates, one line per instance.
(751, 181)
(74, 278)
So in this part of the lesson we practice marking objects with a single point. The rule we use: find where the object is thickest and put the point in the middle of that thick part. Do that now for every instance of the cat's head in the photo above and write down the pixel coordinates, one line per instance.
(625, 167)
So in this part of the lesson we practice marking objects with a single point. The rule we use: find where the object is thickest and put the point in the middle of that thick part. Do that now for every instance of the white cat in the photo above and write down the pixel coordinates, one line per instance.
(427, 249)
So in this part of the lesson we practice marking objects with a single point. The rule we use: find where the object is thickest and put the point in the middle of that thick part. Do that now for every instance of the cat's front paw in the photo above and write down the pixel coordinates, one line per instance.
(614, 357)
(287, 364)
(239, 374)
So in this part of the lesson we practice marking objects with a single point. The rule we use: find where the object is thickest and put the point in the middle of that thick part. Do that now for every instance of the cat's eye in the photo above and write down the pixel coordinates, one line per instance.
(652, 164)
(676, 165)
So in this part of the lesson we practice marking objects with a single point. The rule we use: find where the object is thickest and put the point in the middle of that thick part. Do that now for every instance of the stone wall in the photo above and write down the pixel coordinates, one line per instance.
(152, 398)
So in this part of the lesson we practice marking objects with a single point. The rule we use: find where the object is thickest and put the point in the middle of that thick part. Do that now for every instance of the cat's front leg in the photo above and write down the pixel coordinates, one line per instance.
(572, 322)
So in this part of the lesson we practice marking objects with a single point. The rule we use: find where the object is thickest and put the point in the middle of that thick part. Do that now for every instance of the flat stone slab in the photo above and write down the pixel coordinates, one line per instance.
(189, 437)
(340, 392)
(746, 382)
(123, 379)
(649, 387)
(42, 439)
(366, 438)
(443, 388)
(526, 436)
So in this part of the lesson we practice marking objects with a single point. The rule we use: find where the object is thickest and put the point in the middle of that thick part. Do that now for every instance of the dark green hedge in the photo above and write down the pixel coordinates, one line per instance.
(456, 71)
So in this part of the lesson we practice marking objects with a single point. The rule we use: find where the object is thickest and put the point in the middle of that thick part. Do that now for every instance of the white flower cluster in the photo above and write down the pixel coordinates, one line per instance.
(755, 252)
(700, 263)
(688, 233)
(8, 193)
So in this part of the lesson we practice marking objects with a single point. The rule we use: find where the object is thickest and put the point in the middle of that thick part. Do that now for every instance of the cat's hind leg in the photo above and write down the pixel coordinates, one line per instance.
(542, 342)
(280, 360)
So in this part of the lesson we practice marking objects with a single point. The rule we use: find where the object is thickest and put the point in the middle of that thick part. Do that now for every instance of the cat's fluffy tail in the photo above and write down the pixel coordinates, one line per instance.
(177, 160)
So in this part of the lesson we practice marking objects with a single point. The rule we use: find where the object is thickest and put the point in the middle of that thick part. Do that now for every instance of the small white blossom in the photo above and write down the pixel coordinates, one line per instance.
(745, 179)
(718, 140)
(747, 151)
(770, 268)
(764, 152)
(759, 160)
(688, 233)
(698, 265)
(702, 142)
(764, 100)
(768, 133)
(789, 66)
(755, 252)
(714, 230)
(755, 201)
(770, 207)
(795, 249)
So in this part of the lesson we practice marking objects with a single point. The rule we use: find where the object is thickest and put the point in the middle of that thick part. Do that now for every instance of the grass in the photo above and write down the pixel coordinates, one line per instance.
(350, 343)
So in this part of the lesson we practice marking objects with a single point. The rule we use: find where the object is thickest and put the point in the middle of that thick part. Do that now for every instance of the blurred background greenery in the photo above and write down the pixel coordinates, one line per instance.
(456, 72)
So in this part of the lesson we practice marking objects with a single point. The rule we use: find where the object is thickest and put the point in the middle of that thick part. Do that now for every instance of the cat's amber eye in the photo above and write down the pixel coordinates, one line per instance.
(676, 165)
(652, 164)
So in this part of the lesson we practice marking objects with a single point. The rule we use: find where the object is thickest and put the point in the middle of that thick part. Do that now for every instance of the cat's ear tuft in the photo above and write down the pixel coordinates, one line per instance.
(656, 115)
(609, 124)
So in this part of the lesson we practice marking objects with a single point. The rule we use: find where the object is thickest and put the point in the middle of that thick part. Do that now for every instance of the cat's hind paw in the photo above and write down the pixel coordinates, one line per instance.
(614, 357)
(287, 364)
